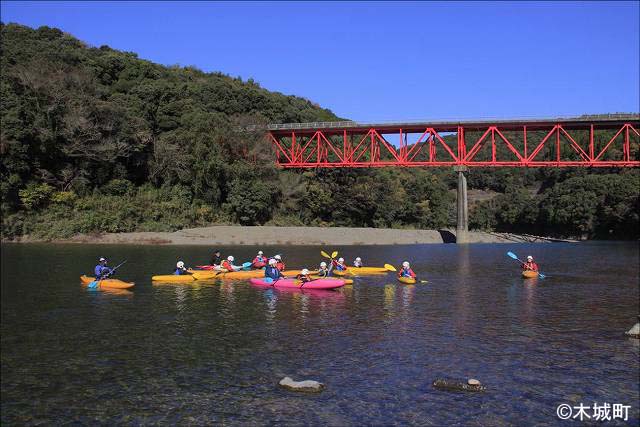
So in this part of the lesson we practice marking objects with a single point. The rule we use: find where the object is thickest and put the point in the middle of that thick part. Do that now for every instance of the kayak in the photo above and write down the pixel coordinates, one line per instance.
(346, 281)
(296, 284)
(173, 278)
(107, 283)
(529, 274)
(406, 280)
(359, 271)
(256, 274)
(209, 267)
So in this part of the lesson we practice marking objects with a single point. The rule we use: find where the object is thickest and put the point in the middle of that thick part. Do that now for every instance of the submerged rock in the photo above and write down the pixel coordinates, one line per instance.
(307, 386)
(634, 332)
(449, 385)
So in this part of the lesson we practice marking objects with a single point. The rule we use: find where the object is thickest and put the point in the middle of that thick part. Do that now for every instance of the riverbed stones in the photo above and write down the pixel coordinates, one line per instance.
(634, 332)
(471, 385)
(305, 386)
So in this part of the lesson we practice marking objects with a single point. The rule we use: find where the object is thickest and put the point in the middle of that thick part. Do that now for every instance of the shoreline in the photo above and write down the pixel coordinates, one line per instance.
(268, 235)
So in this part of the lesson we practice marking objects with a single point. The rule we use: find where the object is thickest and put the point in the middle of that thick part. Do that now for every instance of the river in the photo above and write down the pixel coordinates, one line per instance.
(213, 353)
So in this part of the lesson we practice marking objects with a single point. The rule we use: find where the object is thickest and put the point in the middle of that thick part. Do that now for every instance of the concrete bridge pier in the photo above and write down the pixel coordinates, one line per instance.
(462, 225)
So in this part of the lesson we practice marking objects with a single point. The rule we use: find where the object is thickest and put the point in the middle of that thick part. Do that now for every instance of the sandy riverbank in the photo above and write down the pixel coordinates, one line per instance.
(236, 235)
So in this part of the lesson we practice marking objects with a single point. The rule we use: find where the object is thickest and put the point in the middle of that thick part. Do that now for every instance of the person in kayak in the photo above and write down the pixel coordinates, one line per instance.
(216, 259)
(279, 264)
(181, 270)
(358, 262)
(323, 271)
(228, 264)
(530, 264)
(101, 270)
(304, 276)
(406, 271)
(272, 270)
(259, 261)
(339, 264)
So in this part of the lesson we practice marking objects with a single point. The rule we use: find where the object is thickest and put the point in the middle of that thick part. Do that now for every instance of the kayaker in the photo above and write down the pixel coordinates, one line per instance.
(358, 262)
(101, 270)
(216, 259)
(181, 270)
(259, 261)
(304, 276)
(530, 264)
(406, 271)
(272, 270)
(279, 264)
(228, 264)
(339, 264)
(323, 271)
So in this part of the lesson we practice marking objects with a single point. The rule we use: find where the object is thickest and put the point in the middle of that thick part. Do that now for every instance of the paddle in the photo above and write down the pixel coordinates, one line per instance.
(95, 283)
(514, 256)
(247, 266)
(390, 267)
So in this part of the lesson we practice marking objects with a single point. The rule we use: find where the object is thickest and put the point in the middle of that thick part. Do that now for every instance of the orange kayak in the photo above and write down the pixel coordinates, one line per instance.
(107, 283)
(529, 274)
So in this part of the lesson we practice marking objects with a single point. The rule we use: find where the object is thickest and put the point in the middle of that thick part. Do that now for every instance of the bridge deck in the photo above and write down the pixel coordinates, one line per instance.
(583, 122)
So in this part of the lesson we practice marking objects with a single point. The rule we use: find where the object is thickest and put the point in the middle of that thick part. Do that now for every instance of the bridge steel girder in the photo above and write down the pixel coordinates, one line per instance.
(354, 146)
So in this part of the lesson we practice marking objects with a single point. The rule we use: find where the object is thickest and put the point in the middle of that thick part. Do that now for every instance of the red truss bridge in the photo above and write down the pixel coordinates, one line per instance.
(597, 141)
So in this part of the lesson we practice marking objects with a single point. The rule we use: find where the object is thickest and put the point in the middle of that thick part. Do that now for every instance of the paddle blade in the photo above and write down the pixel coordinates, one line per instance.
(93, 284)
(324, 254)
(268, 280)
(390, 267)
(542, 276)
(334, 254)
(512, 255)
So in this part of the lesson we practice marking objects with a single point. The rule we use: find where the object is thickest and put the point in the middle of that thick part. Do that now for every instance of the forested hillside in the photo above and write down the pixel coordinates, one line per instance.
(96, 140)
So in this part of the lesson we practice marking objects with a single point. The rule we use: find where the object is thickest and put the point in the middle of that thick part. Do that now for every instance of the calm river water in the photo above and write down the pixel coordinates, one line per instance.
(213, 353)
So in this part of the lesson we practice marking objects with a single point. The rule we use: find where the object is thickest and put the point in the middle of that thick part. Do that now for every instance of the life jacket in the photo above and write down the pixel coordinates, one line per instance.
(303, 278)
(530, 266)
(215, 260)
(101, 270)
(259, 262)
(338, 266)
(323, 272)
(280, 265)
(180, 271)
(357, 264)
(272, 272)
(407, 272)
(227, 265)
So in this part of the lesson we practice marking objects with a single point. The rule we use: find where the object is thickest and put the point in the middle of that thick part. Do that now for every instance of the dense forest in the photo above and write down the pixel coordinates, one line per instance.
(96, 140)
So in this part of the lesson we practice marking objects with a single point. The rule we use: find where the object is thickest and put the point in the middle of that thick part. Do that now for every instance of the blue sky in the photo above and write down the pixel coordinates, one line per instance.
(385, 61)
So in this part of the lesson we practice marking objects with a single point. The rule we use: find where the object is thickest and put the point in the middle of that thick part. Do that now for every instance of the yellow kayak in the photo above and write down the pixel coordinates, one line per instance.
(406, 280)
(173, 278)
(360, 271)
(107, 283)
(529, 274)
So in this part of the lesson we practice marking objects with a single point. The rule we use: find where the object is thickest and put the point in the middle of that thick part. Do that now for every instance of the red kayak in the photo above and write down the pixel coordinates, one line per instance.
(297, 284)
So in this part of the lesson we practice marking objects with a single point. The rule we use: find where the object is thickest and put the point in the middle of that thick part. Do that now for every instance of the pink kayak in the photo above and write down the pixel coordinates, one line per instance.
(296, 284)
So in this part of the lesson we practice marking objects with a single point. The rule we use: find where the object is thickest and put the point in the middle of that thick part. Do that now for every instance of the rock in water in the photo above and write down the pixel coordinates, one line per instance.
(449, 385)
(308, 386)
(635, 331)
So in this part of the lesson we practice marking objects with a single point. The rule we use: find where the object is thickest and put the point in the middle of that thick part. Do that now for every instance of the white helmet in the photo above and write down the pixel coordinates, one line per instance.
(230, 258)
(260, 253)
(405, 264)
(278, 257)
(323, 264)
(358, 259)
(180, 264)
(102, 259)
(304, 272)
(272, 261)
(529, 258)
(340, 259)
